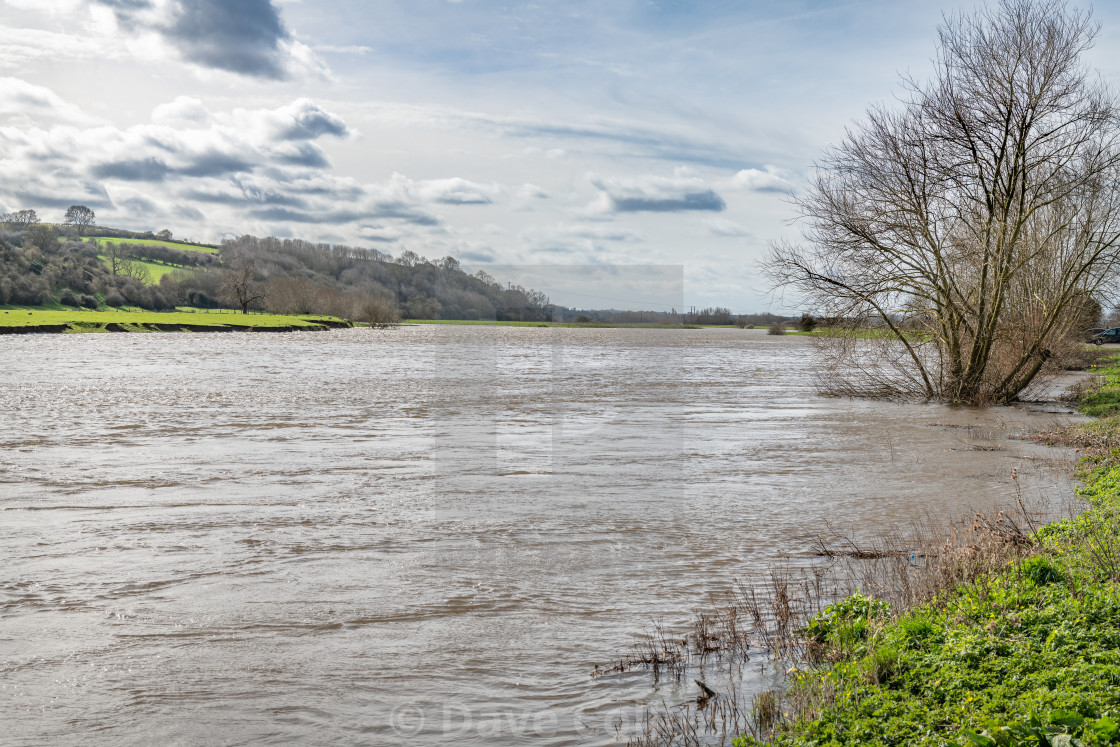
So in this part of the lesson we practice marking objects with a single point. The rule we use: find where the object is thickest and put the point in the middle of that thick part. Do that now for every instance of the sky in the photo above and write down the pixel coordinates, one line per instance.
(613, 133)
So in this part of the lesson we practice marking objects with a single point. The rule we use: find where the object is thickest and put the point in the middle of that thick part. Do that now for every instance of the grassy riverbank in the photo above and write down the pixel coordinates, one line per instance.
(1029, 654)
(28, 321)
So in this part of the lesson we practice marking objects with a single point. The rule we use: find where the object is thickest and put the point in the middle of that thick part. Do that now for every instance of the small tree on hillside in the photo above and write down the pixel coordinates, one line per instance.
(80, 216)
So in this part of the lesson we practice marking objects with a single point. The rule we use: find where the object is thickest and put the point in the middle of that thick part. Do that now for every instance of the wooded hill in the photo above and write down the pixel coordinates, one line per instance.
(41, 264)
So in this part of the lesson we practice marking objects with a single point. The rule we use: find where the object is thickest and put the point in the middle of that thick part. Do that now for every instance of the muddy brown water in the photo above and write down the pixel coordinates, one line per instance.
(422, 535)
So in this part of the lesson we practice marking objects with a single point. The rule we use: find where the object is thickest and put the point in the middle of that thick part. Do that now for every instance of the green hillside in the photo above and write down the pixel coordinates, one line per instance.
(181, 246)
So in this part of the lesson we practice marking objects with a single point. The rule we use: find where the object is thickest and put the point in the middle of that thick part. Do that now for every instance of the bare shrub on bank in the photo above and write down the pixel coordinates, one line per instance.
(973, 226)
(378, 311)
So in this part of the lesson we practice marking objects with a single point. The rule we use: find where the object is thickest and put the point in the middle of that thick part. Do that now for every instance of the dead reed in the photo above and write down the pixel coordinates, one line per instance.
(767, 617)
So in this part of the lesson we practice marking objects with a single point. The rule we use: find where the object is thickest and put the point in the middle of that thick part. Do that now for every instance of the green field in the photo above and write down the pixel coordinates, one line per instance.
(155, 270)
(205, 248)
(51, 320)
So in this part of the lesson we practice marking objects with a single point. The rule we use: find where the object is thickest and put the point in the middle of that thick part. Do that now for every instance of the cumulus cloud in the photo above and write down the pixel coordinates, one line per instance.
(264, 164)
(246, 37)
(240, 170)
(458, 191)
(767, 179)
(681, 192)
(186, 139)
(23, 103)
(184, 111)
(242, 37)
(132, 170)
(303, 120)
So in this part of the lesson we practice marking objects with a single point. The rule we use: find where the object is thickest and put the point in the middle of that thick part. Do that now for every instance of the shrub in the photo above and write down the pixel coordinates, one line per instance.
(378, 311)
(777, 328)
(67, 298)
(114, 298)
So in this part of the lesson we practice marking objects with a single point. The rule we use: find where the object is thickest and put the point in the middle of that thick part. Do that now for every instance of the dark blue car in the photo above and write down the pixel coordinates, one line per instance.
(1107, 335)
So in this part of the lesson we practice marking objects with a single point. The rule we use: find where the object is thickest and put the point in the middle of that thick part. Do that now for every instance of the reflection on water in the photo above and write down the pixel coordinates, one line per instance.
(382, 537)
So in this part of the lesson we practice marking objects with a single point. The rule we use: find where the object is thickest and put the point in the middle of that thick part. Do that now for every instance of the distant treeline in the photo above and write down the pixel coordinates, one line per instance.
(716, 315)
(43, 264)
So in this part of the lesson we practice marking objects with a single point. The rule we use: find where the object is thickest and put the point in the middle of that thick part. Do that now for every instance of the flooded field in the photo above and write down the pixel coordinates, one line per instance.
(422, 535)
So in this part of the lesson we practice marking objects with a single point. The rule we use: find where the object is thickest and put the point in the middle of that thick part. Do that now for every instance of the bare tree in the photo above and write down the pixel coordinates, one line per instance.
(80, 216)
(967, 227)
(123, 262)
(241, 286)
(116, 256)
(410, 258)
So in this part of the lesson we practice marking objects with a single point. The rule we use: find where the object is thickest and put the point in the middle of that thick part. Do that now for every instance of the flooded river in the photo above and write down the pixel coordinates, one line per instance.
(422, 535)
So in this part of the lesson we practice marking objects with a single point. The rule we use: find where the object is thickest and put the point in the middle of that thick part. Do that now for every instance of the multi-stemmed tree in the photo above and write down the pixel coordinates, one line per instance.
(970, 227)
